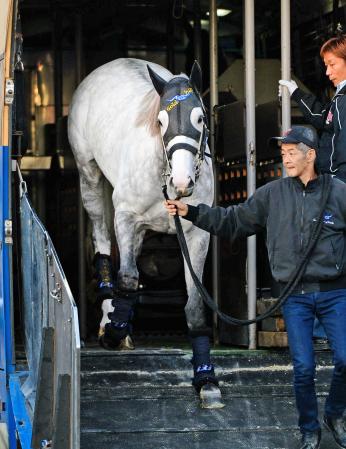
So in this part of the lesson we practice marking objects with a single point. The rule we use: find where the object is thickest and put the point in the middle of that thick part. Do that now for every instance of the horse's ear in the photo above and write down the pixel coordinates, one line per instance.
(158, 82)
(196, 76)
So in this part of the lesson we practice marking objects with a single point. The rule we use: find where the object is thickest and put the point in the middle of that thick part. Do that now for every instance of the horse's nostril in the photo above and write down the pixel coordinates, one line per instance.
(191, 184)
(183, 192)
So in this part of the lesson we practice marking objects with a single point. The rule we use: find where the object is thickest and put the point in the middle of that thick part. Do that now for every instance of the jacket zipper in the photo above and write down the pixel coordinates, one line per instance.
(301, 231)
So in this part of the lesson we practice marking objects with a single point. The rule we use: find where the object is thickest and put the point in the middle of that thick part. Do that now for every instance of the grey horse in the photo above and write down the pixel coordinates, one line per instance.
(135, 124)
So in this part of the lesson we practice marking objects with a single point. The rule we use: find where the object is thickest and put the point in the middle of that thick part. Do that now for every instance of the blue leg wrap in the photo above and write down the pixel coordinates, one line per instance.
(203, 369)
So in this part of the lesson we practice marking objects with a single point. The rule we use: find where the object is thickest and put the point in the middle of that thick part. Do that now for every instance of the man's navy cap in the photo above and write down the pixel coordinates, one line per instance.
(299, 134)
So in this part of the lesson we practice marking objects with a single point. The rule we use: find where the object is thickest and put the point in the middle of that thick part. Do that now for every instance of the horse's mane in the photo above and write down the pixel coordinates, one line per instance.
(147, 115)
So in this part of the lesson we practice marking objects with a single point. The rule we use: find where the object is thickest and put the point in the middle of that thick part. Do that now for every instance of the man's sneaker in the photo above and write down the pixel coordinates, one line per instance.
(311, 440)
(338, 429)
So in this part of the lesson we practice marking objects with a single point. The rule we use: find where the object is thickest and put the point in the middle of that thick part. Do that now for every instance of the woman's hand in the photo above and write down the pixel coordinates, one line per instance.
(174, 207)
(291, 86)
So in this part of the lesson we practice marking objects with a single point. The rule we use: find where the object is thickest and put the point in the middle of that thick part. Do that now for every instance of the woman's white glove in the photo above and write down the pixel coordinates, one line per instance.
(291, 86)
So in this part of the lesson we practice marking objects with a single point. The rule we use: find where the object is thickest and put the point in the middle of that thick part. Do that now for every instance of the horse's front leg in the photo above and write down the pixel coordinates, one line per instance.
(129, 240)
(120, 309)
(204, 379)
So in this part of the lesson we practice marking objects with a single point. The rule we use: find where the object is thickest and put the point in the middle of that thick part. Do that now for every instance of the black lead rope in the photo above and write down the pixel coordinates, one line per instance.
(291, 284)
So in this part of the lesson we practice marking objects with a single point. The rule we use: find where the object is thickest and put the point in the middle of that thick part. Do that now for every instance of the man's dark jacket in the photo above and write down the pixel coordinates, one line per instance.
(330, 122)
(287, 210)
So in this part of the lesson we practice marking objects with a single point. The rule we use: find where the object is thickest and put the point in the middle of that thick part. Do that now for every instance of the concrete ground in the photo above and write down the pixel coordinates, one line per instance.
(143, 399)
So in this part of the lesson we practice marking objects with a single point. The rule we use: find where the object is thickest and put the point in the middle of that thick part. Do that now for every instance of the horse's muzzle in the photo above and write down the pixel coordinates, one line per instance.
(183, 190)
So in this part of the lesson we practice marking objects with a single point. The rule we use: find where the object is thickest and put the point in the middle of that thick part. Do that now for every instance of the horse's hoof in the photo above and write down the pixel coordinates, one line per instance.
(126, 344)
(210, 396)
(104, 342)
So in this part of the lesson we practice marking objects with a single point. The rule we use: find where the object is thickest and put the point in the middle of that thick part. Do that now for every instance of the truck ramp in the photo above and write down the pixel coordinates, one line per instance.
(143, 399)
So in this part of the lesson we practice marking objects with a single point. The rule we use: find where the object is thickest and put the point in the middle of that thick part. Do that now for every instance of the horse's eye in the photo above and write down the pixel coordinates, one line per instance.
(200, 119)
(159, 122)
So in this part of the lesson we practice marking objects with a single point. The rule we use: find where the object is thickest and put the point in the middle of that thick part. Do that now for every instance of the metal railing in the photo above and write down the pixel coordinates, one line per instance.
(51, 334)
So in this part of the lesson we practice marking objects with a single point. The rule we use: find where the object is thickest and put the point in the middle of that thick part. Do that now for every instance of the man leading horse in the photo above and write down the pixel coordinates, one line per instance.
(289, 209)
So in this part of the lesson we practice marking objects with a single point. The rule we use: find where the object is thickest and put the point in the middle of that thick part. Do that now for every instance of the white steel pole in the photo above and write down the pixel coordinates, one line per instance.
(81, 214)
(285, 63)
(249, 34)
(214, 99)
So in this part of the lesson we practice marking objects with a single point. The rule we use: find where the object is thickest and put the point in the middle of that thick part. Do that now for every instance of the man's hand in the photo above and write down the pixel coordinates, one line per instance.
(291, 86)
(176, 207)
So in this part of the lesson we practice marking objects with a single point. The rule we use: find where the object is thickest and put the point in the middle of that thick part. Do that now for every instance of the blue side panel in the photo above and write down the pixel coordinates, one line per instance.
(22, 419)
(3, 370)
(6, 350)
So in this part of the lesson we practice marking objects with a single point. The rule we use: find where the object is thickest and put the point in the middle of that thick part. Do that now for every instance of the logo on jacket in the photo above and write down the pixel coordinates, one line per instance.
(327, 219)
(329, 117)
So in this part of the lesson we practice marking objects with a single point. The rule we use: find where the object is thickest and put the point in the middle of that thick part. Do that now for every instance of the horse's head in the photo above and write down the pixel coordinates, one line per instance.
(182, 121)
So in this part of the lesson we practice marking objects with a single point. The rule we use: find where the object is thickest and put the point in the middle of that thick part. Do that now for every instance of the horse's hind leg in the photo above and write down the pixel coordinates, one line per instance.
(204, 380)
(92, 185)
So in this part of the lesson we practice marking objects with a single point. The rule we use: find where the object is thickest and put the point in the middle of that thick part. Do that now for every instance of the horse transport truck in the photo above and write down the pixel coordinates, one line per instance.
(61, 391)
(39, 395)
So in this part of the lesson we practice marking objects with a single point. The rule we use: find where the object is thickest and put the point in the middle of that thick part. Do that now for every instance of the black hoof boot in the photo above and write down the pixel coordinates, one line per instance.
(104, 276)
(117, 332)
(116, 338)
(203, 370)
(204, 379)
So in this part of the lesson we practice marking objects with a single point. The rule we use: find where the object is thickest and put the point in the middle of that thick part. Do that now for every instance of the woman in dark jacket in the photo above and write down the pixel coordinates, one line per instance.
(329, 119)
